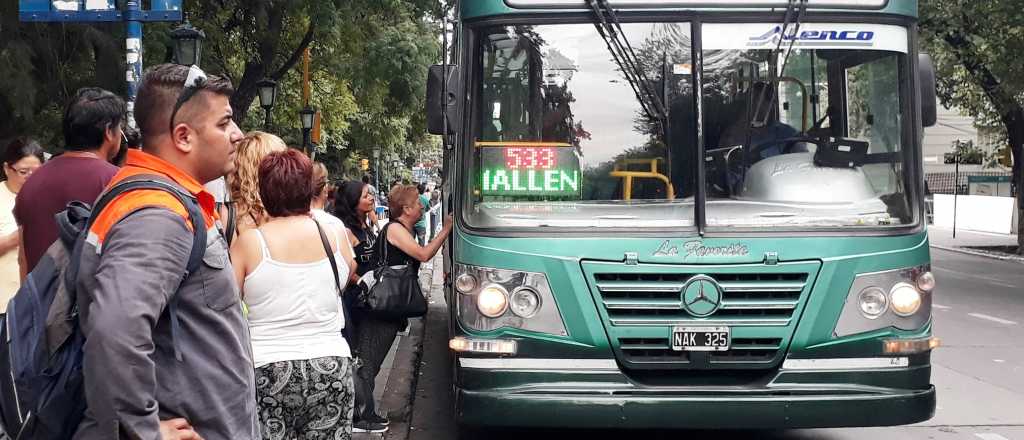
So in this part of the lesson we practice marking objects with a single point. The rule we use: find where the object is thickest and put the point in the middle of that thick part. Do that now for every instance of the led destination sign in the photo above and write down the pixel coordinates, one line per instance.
(528, 169)
(853, 4)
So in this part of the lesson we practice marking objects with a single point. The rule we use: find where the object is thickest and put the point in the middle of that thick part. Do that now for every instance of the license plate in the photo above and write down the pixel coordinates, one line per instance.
(700, 338)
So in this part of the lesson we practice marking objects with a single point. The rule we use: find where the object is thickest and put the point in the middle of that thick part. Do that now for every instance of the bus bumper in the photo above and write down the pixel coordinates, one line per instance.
(578, 404)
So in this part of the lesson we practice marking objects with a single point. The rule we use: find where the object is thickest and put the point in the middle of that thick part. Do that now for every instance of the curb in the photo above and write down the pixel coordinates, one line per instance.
(979, 253)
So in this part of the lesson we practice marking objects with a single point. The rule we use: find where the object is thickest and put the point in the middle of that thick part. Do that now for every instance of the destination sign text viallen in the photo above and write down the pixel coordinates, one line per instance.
(528, 169)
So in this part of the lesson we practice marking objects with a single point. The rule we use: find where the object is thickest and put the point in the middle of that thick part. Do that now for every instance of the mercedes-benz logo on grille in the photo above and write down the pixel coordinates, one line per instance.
(701, 296)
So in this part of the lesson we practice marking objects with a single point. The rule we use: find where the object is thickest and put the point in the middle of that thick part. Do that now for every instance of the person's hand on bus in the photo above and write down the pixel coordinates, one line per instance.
(449, 221)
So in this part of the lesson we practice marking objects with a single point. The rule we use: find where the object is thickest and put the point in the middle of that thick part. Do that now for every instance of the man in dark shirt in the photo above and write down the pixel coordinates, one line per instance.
(92, 137)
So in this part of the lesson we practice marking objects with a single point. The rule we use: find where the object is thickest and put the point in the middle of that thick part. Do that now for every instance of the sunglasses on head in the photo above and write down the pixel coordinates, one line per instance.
(195, 82)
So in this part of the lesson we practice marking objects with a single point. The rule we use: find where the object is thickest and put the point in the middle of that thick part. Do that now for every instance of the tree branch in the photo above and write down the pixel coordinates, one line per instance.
(294, 59)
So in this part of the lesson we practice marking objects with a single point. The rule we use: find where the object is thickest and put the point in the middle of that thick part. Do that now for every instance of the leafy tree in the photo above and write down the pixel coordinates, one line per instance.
(369, 61)
(970, 154)
(976, 46)
(44, 64)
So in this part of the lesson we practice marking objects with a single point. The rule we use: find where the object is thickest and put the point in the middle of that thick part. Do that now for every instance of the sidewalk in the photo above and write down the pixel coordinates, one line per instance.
(396, 382)
(975, 243)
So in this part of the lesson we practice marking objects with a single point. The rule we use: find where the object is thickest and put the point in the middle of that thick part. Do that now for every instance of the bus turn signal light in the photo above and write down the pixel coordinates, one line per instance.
(492, 346)
(910, 346)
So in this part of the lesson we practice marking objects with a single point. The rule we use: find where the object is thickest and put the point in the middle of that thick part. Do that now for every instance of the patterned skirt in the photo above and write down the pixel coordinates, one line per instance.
(306, 399)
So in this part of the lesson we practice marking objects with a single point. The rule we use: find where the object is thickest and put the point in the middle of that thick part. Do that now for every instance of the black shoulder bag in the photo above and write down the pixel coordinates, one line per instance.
(347, 330)
(396, 294)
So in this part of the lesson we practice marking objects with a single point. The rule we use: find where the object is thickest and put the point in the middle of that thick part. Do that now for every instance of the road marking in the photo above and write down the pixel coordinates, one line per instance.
(990, 436)
(992, 318)
(972, 276)
(941, 307)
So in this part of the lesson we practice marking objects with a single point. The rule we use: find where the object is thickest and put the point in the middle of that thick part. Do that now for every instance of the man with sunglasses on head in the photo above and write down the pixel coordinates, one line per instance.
(92, 136)
(167, 351)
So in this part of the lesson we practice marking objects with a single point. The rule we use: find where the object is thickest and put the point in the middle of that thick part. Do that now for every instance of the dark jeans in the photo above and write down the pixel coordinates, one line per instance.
(373, 339)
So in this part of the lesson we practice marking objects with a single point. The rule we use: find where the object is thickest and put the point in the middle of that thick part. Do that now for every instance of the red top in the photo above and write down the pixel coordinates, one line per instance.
(49, 190)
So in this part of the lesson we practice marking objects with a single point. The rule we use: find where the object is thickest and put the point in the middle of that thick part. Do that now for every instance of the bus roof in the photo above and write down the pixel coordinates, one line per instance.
(482, 8)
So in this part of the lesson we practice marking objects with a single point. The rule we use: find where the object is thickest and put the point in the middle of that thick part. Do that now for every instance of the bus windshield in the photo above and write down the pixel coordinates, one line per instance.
(802, 128)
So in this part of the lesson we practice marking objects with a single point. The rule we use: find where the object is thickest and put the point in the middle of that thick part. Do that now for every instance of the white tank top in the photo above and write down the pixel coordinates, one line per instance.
(294, 309)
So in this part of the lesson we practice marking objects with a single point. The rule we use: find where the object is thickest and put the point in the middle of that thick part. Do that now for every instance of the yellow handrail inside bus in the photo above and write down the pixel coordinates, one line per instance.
(621, 170)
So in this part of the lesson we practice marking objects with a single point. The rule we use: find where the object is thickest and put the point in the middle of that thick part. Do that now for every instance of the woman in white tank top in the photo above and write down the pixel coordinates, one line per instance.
(303, 364)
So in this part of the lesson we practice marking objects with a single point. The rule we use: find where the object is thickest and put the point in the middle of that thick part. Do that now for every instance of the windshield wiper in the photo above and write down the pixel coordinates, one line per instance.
(610, 29)
(791, 10)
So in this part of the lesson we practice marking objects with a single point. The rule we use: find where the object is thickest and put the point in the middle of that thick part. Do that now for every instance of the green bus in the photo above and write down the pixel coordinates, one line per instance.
(687, 213)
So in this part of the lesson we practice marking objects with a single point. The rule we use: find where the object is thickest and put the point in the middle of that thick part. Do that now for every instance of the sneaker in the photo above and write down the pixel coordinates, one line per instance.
(367, 426)
(378, 420)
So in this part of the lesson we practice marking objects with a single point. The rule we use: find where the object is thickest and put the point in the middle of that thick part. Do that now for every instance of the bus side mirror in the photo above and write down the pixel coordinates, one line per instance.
(926, 81)
(441, 109)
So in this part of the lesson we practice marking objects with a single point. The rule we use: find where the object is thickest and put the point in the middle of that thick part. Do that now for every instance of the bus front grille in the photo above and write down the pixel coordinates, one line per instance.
(642, 304)
(655, 299)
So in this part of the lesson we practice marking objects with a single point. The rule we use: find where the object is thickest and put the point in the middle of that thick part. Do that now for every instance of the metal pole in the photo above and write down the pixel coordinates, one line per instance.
(266, 120)
(306, 140)
(133, 43)
(956, 190)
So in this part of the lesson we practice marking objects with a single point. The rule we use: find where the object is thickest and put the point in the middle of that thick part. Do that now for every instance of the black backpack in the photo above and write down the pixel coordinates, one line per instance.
(41, 380)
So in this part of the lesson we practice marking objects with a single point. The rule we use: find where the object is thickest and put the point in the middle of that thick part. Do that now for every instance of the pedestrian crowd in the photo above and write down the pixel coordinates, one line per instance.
(220, 289)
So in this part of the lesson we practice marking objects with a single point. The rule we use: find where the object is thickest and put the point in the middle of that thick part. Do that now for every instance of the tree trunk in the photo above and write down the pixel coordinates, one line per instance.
(1010, 110)
(1015, 131)
(246, 90)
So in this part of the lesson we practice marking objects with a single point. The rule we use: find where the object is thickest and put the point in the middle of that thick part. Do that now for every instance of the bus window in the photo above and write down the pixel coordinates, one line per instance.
(566, 133)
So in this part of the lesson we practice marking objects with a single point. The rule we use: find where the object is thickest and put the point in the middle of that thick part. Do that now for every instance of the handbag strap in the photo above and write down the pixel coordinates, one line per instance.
(382, 253)
(330, 254)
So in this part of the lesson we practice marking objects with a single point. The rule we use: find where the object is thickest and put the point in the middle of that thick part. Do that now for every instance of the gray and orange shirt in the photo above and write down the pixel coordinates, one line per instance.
(132, 264)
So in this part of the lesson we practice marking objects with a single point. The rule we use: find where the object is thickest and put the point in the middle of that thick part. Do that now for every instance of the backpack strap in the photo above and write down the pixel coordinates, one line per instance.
(231, 223)
(195, 258)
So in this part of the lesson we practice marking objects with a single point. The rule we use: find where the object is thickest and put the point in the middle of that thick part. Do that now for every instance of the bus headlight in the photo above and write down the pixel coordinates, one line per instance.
(926, 281)
(899, 298)
(905, 299)
(873, 302)
(525, 302)
(488, 295)
(492, 301)
(465, 283)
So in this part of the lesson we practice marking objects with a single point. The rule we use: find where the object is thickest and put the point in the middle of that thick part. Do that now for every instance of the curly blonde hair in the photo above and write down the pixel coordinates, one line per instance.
(243, 183)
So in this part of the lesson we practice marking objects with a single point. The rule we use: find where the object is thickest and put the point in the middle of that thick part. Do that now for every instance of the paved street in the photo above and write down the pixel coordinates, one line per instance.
(979, 371)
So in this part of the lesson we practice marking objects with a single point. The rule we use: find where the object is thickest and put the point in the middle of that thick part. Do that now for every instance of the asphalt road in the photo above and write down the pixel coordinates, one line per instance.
(979, 370)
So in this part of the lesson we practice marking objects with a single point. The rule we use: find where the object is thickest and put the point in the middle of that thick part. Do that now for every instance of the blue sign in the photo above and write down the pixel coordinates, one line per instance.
(836, 36)
(95, 11)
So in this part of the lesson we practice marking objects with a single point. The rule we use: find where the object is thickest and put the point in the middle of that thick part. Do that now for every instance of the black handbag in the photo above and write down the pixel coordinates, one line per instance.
(346, 331)
(396, 292)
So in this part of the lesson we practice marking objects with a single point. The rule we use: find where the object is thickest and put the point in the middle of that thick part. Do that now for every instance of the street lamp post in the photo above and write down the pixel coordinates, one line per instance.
(376, 167)
(306, 116)
(188, 44)
(268, 95)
